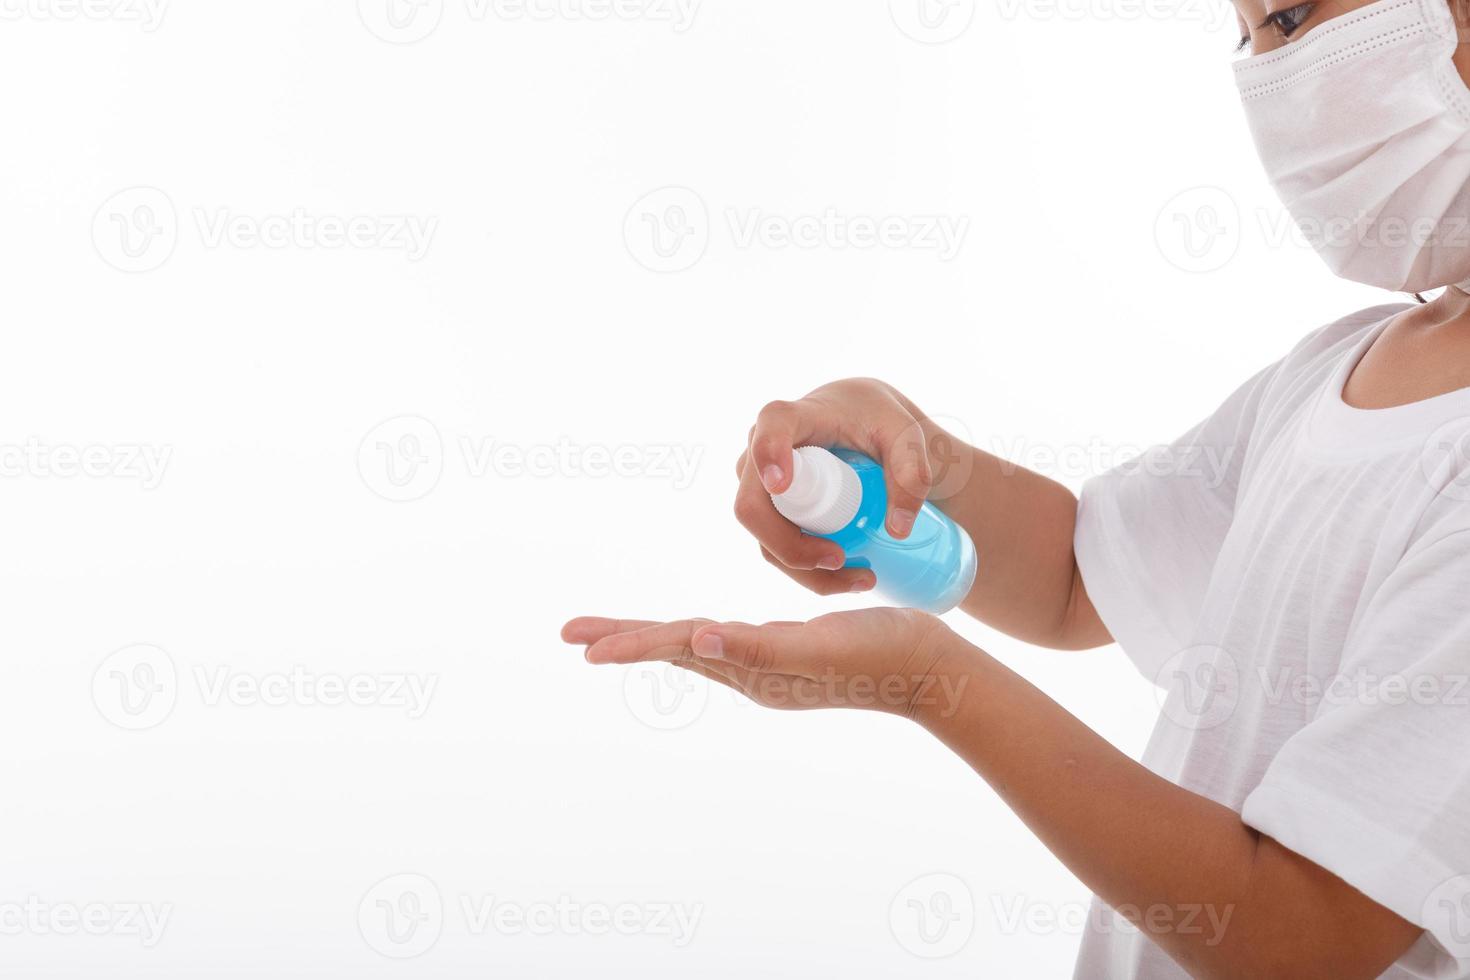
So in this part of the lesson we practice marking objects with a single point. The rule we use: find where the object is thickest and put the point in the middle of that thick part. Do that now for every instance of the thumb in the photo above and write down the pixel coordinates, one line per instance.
(775, 648)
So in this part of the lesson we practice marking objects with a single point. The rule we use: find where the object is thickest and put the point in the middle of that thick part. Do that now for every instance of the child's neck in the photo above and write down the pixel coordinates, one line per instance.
(1425, 352)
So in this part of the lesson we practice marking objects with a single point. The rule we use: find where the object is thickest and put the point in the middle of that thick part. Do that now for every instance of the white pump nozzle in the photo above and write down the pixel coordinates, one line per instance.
(825, 492)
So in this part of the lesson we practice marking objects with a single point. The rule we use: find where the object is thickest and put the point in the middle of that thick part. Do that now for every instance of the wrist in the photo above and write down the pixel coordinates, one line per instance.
(950, 669)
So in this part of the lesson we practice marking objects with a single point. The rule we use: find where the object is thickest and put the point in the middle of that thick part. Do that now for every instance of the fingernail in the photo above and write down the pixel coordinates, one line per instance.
(901, 522)
(771, 477)
(831, 563)
(861, 585)
(710, 647)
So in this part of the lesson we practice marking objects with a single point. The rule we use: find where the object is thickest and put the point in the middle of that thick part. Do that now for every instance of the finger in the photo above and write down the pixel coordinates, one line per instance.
(754, 510)
(907, 474)
(660, 641)
(740, 463)
(780, 428)
(770, 649)
(587, 630)
(771, 445)
(824, 582)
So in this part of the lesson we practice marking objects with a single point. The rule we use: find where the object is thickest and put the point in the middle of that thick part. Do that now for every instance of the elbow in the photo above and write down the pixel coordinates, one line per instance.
(1078, 626)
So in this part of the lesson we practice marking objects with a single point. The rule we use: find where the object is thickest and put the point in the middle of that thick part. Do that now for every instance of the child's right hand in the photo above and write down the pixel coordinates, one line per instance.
(862, 414)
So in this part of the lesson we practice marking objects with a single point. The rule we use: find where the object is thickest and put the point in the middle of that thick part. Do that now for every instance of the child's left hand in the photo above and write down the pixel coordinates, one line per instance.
(880, 659)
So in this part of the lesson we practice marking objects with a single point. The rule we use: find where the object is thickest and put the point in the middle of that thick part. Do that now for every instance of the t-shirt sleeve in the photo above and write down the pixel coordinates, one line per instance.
(1376, 787)
(1148, 532)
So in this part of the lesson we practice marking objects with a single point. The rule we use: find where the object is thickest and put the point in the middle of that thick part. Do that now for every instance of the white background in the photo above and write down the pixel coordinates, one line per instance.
(1076, 321)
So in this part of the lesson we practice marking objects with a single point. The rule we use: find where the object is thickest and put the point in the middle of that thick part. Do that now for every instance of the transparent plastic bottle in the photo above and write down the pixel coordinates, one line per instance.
(840, 495)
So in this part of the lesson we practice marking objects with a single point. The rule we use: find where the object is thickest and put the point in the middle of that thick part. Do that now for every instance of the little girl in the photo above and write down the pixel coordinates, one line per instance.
(1305, 598)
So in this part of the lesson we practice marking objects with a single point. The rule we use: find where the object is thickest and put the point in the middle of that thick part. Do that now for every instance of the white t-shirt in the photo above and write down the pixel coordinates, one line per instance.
(1294, 573)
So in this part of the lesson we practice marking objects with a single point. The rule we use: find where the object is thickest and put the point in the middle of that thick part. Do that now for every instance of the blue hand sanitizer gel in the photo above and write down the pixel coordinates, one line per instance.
(840, 495)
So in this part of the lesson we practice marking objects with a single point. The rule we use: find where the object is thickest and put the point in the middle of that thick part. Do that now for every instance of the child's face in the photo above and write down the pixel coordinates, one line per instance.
(1266, 25)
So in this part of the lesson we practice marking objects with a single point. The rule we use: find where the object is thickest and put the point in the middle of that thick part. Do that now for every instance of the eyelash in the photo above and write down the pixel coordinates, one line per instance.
(1287, 21)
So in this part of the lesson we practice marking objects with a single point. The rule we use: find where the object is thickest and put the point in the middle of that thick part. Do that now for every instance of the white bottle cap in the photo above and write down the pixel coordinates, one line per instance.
(824, 495)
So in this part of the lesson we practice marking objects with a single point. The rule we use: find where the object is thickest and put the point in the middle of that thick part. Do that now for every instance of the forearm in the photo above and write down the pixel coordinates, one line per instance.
(1027, 584)
(1217, 897)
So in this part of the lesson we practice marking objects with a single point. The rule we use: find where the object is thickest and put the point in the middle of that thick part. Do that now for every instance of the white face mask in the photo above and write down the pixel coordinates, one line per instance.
(1363, 125)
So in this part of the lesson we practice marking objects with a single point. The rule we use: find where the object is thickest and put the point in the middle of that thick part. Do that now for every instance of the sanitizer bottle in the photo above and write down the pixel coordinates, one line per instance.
(840, 495)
